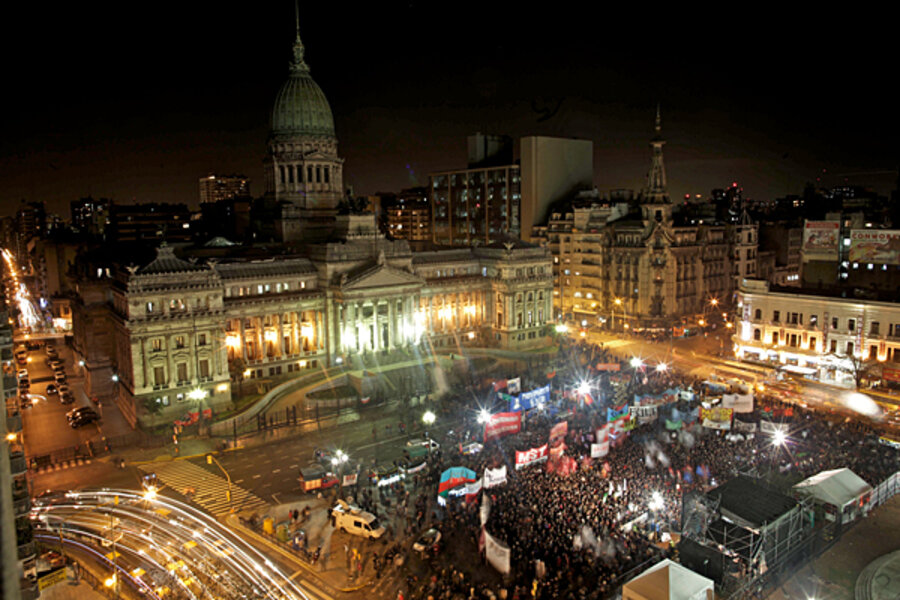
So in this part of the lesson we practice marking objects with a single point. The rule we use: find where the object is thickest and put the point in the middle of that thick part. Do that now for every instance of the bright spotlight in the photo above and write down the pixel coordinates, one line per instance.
(662, 368)
(484, 416)
(428, 418)
(636, 363)
(779, 438)
(584, 388)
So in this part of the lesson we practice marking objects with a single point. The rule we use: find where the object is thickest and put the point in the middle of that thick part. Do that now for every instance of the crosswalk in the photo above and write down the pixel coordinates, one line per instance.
(210, 490)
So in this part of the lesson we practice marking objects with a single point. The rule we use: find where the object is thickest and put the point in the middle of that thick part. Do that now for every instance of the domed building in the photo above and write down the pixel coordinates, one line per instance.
(303, 172)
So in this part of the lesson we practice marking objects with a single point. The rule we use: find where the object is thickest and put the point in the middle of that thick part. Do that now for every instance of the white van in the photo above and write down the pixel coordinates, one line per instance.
(355, 521)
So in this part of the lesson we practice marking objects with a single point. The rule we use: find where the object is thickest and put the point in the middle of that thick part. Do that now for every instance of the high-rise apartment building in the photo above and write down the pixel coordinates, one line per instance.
(223, 187)
(90, 216)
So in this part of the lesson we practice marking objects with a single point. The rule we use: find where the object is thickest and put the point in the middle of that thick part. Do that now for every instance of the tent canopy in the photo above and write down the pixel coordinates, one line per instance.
(838, 486)
(668, 580)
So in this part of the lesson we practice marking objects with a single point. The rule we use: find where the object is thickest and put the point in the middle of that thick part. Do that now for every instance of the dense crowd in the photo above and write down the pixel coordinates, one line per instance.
(572, 536)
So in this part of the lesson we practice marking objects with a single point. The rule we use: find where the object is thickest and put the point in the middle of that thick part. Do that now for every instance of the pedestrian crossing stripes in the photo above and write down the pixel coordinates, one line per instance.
(209, 490)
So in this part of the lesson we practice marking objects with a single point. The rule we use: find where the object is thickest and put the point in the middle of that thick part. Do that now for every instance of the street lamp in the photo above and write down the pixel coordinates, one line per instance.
(662, 368)
(428, 418)
(636, 363)
(210, 459)
(484, 416)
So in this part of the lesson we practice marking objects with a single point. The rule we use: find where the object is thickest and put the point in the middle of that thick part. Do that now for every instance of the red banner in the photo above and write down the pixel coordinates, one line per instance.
(558, 433)
(889, 374)
(502, 424)
(608, 366)
(532, 455)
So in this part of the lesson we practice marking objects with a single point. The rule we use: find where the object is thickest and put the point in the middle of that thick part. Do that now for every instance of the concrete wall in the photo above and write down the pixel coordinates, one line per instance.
(552, 168)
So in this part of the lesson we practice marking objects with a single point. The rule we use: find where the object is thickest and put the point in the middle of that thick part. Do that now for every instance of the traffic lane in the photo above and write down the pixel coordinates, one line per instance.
(273, 470)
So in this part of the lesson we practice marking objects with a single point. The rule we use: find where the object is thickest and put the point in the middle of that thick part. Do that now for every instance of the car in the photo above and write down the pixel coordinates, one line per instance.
(25, 401)
(23, 373)
(60, 377)
(428, 541)
(54, 559)
(66, 398)
(83, 419)
(354, 520)
(63, 388)
(428, 443)
(75, 412)
(51, 390)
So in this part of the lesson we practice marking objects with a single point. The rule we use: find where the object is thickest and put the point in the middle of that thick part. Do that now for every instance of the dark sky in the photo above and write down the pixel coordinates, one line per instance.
(136, 101)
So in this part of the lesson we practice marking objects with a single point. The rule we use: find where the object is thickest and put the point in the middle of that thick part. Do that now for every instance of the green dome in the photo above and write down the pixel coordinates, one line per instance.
(301, 108)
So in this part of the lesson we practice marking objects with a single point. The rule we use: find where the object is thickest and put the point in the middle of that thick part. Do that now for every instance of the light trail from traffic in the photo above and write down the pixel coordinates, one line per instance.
(158, 544)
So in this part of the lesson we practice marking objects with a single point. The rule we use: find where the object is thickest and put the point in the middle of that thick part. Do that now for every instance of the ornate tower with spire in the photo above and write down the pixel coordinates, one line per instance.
(302, 166)
(655, 202)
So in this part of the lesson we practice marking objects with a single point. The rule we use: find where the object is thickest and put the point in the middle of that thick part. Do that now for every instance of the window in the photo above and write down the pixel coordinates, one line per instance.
(851, 324)
(156, 345)
(834, 322)
(159, 375)
(875, 327)
(201, 339)
(833, 346)
(873, 351)
(813, 321)
(757, 334)
(182, 372)
(775, 338)
(204, 367)
(849, 348)
(150, 307)
(179, 341)
(776, 316)
(812, 343)
(758, 314)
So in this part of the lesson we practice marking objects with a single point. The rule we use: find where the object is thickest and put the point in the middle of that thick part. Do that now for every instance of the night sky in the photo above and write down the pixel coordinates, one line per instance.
(137, 103)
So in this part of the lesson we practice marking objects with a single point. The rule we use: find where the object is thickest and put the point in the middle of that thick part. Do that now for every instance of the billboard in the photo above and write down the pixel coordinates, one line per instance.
(880, 246)
(821, 240)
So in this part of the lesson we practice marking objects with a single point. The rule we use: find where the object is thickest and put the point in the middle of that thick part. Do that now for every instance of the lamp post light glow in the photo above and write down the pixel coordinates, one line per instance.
(662, 368)
(428, 418)
(484, 416)
(779, 438)
(636, 363)
(584, 388)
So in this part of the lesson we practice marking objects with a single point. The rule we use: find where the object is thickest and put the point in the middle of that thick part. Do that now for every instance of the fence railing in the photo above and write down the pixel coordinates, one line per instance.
(886, 490)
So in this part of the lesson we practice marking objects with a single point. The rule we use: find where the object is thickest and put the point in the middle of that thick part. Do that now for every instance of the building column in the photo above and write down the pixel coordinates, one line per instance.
(320, 330)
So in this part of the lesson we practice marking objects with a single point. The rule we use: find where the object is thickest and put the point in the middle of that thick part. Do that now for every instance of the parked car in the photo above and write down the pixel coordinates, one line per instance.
(60, 377)
(51, 390)
(356, 521)
(53, 559)
(23, 373)
(83, 419)
(75, 412)
(25, 401)
(66, 398)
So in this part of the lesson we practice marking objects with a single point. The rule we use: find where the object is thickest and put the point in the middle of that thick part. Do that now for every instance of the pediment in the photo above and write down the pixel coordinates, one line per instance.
(381, 276)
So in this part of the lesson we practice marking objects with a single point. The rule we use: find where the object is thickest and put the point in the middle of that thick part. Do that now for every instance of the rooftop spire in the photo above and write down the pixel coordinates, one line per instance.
(298, 64)
(656, 179)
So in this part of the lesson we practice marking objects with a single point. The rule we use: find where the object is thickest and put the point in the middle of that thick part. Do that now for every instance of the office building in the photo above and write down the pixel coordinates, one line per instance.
(214, 188)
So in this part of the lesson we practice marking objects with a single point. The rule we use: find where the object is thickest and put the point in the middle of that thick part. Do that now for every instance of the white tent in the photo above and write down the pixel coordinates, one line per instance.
(842, 489)
(668, 580)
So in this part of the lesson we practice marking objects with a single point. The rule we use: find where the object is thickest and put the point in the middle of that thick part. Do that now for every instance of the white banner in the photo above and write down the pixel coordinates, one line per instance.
(644, 414)
(485, 511)
(494, 477)
(497, 553)
(473, 488)
(741, 403)
(514, 386)
(350, 479)
(600, 450)
(770, 427)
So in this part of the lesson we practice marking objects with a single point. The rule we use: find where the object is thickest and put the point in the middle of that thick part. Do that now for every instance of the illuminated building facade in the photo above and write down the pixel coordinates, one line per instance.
(171, 335)
(812, 332)
(627, 262)
(214, 188)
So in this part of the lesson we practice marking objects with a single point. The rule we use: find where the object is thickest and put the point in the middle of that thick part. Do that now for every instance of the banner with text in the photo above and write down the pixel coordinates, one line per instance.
(494, 477)
(502, 424)
(531, 456)
(558, 432)
(716, 418)
(821, 240)
(741, 403)
(496, 552)
(880, 246)
(528, 400)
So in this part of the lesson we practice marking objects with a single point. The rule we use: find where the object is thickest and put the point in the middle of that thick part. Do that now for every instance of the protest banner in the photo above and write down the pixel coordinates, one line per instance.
(494, 477)
(496, 552)
(502, 424)
(531, 456)
(558, 432)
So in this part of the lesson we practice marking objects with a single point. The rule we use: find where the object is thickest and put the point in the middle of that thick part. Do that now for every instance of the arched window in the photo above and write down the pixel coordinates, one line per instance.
(757, 334)
(758, 315)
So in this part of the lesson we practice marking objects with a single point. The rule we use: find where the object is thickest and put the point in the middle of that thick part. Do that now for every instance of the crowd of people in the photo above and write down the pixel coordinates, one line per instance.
(580, 535)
